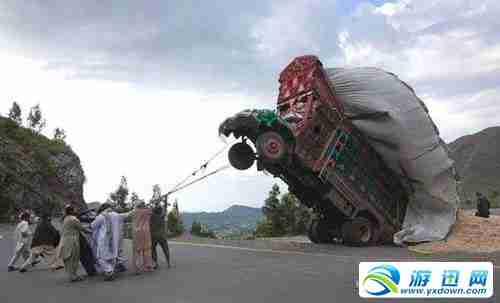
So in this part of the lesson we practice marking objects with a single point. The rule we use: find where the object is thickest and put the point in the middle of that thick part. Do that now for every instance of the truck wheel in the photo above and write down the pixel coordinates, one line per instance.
(318, 232)
(241, 156)
(358, 232)
(271, 146)
(311, 232)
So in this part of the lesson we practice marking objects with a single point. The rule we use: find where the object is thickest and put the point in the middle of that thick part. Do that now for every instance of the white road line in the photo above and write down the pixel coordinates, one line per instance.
(259, 249)
(284, 251)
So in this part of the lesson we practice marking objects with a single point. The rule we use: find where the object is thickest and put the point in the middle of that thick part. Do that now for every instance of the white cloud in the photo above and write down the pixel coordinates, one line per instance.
(284, 29)
(294, 28)
(118, 129)
(447, 50)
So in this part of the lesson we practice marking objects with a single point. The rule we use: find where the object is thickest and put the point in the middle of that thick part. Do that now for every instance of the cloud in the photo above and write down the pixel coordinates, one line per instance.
(141, 86)
(202, 46)
(448, 51)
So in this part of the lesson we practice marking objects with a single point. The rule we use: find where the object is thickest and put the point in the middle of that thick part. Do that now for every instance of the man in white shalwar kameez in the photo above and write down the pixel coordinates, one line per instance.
(117, 226)
(22, 240)
(107, 234)
(102, 234)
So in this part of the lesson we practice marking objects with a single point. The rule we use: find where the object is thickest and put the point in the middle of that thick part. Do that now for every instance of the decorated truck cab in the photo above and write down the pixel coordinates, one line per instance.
(311, 144)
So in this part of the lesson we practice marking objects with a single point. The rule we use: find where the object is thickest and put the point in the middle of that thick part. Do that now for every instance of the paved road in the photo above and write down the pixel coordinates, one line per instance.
(207, 274)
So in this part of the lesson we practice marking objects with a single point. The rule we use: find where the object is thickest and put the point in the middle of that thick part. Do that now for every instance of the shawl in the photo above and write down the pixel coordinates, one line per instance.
(142, 234)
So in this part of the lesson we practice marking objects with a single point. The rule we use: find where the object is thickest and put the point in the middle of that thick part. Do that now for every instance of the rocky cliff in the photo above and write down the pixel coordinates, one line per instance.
(37, 172)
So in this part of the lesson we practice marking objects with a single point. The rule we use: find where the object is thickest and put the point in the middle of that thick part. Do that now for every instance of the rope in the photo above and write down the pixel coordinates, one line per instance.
(199, 179)
(202, 167)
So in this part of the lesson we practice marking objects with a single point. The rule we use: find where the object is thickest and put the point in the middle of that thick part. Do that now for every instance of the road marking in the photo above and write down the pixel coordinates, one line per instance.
(287, 252)
(259, 249)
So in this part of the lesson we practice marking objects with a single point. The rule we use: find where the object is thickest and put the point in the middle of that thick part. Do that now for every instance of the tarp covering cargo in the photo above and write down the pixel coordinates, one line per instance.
(409, 142)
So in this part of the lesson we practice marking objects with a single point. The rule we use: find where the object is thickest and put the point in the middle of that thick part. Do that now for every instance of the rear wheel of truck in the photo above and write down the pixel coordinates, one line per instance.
(318, 232)
(359, 232)
(241, 156)
(311, 233)
(271, 147)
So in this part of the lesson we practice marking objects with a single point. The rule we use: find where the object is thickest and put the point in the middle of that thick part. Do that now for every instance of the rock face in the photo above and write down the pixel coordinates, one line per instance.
(37, 172)
(477, 159)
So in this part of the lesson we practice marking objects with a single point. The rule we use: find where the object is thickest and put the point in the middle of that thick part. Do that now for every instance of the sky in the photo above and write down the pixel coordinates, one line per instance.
(140, 87)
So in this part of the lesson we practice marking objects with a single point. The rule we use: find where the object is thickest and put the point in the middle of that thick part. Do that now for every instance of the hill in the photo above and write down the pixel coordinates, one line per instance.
(36, 172)
(237, 219)
(477, 159)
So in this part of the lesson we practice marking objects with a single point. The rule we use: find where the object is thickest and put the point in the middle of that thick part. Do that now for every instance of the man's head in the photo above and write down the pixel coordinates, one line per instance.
(25, 216)
(103, 207)
(157, 209)
(478, 194)
(69, 210)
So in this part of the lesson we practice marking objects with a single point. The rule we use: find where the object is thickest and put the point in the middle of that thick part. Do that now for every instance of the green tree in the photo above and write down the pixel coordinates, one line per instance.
(15, 114)
(59, 134)
(156, 198)
(119, 196)
(274, 212)
(289, 204)
(134, 199)
(35, 120)
(196, 228)
(201, 230)
(264, 229)
(174, 220)
(303, 215)
(283, 215)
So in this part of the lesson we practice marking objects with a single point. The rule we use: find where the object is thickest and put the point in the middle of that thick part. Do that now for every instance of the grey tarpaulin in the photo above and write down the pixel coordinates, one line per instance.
(409, 142)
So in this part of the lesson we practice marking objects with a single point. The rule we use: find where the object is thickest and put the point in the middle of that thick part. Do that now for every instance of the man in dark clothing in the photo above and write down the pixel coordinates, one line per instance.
(158, 233)
(45, 240)
(86, 255)
(483, 206)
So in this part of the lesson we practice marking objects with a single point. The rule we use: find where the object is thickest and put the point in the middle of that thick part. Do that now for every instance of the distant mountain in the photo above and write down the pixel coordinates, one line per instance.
(237, 219)
(477, 159)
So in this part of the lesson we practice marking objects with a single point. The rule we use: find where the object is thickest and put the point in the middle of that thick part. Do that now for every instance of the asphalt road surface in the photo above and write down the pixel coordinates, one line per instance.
(205, 273)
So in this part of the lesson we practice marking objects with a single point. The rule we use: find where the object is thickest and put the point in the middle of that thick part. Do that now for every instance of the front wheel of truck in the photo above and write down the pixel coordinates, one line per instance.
(359, 232)
(271, 147)
(241, 156)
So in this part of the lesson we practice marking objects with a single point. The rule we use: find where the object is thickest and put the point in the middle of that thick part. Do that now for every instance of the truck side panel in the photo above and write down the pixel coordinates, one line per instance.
(334, 149)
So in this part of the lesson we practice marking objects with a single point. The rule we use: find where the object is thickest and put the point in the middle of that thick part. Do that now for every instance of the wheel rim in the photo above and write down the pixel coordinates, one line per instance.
(273, 147)
(365, 234)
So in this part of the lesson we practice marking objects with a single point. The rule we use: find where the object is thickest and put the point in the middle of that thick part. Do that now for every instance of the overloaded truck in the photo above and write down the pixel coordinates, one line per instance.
(310, 143)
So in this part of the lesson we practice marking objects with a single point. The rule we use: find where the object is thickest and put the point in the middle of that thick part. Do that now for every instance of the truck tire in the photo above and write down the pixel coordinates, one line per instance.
(358, 232)
(241, 156)
(271, 147)
(311, 233)
(319, 233)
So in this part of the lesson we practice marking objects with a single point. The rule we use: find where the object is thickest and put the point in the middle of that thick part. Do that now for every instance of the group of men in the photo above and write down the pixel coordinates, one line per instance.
(99, 247)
